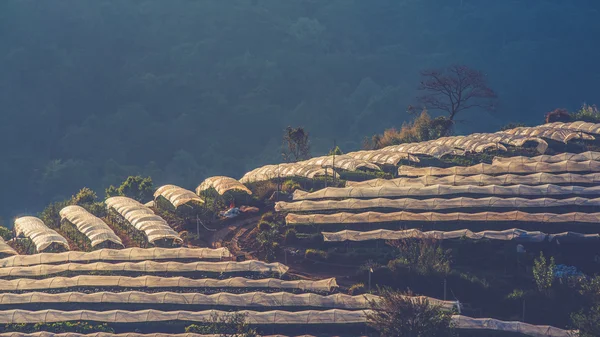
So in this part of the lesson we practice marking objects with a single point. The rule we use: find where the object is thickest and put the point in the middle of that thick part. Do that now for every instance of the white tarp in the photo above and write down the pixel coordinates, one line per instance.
(91, 226)
(579, 126)
(176, 195)
(503, 168)
(269, 172)
(483, 179)
(42, 236)
(560, 135)
(444, 190)
(584, 156)
(222, 184)
(143, 219)
(95, 281)
(128, 254)
(376, 217)
(381, 157)
(276, 317)
(245, 300)
(432, 204)
(147, 267)
(344, 162)
(6, 249)
(506, 235)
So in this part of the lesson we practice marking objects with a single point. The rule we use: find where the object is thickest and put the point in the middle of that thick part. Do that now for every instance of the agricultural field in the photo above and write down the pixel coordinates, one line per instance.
(496, 232)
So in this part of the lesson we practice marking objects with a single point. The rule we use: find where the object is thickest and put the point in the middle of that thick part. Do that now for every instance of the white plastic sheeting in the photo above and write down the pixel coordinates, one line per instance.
(468, 144)
(580, 126)
(269, 172)
(382, 157)
(94, 281)
(442, 190)
(513, 140)
(42, 236)
(376, 217)
(584, 156)
(128, 254)
(503, 167)
(143, 219)
(424, 148)
(6, 249)
(505, 235)
(176, 195)
(147, 267)
(222, 184)
(432, 204)
(245, 300)
(276, 317)
(560, 135)
(483, 179)
(343, 162)
(464, 322)
(91, 226)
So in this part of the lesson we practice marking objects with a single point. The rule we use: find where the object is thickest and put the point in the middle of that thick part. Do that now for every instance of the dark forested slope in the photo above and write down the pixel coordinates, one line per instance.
(92, 91)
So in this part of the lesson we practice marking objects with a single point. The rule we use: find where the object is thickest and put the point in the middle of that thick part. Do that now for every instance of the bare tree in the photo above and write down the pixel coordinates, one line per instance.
(296, 144)
(455, 89)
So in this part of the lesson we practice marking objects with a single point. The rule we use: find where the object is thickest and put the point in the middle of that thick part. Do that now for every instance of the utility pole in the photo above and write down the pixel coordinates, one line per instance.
(370, 272)
(333, 168)
(444, 289)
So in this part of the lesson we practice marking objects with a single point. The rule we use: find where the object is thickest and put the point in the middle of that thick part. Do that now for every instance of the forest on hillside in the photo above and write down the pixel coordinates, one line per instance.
(94, 91)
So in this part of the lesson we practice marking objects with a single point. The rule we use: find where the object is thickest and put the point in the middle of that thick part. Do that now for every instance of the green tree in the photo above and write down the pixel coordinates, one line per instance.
(5, 233)
(396, 315)
(135, 187)
(85, 196)
(543, 273)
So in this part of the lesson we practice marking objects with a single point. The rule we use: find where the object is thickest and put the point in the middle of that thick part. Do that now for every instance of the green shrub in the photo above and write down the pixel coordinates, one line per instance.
(357, 289)
(316, 254)
(264, 226)
(268, 217)
(543, 273)
(5, 233)
(290, 186)
(422, 256)
(84, 196)
(290, 236)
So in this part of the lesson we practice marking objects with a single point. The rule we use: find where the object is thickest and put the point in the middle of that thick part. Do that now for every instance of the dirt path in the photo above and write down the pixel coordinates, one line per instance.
(217, 238)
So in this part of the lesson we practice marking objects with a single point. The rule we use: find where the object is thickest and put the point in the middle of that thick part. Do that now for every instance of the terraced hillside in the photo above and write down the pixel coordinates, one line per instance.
(459, 220)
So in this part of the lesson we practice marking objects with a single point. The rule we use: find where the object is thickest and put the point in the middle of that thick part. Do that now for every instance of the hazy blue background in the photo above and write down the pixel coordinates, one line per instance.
(92, 91)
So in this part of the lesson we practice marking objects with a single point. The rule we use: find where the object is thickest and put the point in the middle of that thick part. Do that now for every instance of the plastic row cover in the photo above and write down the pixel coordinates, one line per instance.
(91, 226)
(483, 180)
(42, 236)
(383, 157)
(253, 299)
(506, 235)
(269, 172)
(143, 219)
(584, 156)
(6, 249)
(222, 184)
(176, 195)
(334, 316)
(503, 167)
(343, 162)
(468, 144)
(442, 190)
(549, 133)
(576, 126)
(376, 217)
(276, 317)
(128, 254)
(464, 322)
(148, 267)
(93, 281)
(432, 204)
(513, 140)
